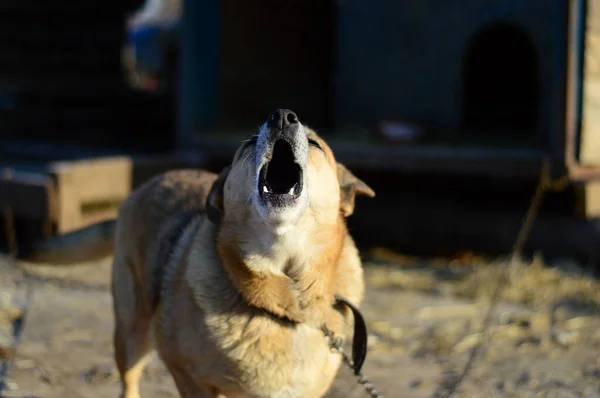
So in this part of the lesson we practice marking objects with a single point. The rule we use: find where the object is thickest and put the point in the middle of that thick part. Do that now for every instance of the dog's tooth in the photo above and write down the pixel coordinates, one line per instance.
(265, 189)
(291, 192)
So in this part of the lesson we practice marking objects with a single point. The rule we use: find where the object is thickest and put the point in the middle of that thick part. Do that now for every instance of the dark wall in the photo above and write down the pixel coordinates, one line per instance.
(404, 59)
(275, 54)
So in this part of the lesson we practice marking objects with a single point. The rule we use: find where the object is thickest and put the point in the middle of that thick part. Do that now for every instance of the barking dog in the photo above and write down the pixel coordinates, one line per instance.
(229, 277)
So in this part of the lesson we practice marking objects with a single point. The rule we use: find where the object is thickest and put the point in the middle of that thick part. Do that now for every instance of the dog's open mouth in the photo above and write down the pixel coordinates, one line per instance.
(280, 180)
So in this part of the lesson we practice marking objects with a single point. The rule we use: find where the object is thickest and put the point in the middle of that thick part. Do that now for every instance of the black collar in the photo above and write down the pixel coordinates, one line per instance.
(360, 337)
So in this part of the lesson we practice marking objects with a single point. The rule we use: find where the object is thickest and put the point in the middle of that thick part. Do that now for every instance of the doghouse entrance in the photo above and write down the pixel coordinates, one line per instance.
(501, 83)
(276, 54)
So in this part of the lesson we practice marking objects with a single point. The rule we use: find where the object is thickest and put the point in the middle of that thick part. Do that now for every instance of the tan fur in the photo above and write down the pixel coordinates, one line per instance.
(210, 300)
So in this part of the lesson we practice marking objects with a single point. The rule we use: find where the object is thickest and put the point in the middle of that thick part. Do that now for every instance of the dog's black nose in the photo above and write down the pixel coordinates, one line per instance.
(282, 119)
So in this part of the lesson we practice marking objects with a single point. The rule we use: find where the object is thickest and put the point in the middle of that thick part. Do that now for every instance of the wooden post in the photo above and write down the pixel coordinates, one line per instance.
(587, 196)
(589, 152)
(199, 68)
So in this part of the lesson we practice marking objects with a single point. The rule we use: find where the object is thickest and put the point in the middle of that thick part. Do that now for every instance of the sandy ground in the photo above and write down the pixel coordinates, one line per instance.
(424, 318)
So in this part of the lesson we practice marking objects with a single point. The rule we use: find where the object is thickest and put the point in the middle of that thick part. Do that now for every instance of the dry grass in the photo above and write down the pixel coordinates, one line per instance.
(476, 278)
(541, 306)
(532, 283)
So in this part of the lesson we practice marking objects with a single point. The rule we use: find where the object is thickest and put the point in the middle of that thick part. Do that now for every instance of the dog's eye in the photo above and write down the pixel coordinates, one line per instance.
(314, 143)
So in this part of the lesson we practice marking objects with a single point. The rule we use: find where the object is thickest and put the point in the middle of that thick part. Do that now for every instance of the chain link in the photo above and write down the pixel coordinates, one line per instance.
(335, 343)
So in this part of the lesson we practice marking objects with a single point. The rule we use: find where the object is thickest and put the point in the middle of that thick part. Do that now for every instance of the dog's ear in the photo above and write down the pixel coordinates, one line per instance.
(350, 186)
(214, 201)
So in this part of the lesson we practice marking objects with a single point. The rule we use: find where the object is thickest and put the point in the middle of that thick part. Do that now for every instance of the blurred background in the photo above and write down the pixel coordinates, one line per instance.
(448, 108)
(452, 110)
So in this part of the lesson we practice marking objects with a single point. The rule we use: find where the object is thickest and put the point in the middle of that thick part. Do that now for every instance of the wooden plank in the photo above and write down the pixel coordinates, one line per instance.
(589, 153)
(446, 160)
(90, 191)
(588, 200)
(590, 125)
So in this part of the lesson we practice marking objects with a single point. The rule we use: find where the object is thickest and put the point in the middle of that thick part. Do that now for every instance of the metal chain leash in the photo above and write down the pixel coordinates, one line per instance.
(546, 184)
(335, 343)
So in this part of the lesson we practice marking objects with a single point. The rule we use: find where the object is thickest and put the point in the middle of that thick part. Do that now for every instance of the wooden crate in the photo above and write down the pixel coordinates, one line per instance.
(89, 191)
(55, 211)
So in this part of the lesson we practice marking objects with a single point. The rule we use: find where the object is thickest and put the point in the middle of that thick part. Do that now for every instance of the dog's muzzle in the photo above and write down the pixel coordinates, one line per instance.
(280, 179)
